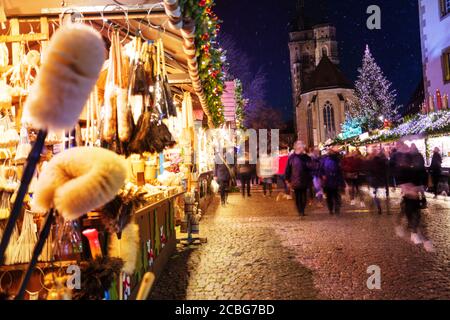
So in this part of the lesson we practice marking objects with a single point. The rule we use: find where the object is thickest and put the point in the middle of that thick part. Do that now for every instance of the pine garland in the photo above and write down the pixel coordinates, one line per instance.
(210, 57)
(432, 124)
(240, 104)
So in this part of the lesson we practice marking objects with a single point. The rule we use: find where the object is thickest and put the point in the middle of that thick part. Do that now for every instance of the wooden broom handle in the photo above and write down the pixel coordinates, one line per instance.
(146, 286)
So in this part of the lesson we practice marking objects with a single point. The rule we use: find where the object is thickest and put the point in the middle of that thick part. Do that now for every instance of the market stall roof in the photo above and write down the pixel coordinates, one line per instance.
(148, 18)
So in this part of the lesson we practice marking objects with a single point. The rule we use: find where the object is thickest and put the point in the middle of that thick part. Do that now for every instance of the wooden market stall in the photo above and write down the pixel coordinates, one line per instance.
(28, 27)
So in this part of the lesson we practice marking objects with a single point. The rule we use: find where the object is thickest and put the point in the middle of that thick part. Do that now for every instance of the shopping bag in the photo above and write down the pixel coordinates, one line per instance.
(214, 186)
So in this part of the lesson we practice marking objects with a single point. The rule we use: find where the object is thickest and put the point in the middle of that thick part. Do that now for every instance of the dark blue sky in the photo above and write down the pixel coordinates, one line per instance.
(261, 28)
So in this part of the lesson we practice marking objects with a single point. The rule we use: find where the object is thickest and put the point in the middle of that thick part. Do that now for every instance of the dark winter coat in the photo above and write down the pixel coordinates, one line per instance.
(315, 166)
(298, 172)
(222, 173)
(409, 168)
(331, 172)
(419, 176)
(436, 164)
(351, 166)
(376, 169)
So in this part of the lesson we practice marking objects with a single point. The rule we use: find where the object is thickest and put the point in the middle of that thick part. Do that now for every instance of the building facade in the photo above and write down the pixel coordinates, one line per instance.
(320, 91)
(435, 40)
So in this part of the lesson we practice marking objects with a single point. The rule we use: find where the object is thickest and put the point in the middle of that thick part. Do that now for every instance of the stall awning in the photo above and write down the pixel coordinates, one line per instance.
(150, 18)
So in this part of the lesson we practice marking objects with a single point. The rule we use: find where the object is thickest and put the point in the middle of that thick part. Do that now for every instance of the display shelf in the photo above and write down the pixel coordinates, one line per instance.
(153, 205)
(42, 265)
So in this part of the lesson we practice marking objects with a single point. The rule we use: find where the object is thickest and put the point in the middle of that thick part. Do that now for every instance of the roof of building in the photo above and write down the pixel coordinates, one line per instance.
(327, 76)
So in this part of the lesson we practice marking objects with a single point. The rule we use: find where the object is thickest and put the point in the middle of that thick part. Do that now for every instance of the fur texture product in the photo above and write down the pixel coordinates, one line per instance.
(126, 248)
(69, 71)
(79, 180)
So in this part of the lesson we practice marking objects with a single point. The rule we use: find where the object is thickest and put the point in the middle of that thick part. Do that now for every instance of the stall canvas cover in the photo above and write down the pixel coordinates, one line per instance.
(229, 103)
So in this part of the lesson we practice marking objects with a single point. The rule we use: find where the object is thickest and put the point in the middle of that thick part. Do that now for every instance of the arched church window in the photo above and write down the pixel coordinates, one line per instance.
(328, 118)
(346, 106)
(324, 52)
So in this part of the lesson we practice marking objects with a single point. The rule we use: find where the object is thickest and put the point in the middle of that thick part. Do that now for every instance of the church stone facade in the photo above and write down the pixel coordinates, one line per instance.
(320, 91)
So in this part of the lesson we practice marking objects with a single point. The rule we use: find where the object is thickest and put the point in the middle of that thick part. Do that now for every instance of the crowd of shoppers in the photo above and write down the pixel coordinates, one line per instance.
(313, 176)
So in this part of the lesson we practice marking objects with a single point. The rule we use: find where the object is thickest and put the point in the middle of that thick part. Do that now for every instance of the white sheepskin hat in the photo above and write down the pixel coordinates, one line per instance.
(79, 180)
(70, 69)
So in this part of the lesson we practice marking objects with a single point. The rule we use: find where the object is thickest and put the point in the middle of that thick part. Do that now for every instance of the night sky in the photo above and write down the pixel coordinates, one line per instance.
(261, 28)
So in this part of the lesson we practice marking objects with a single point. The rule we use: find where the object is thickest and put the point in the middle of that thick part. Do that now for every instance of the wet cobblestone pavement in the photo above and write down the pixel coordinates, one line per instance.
(261, 249)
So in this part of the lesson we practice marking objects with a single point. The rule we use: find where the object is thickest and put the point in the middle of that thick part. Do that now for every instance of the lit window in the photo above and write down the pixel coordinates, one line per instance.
(445, 7)
(446, 64)
(328, 118)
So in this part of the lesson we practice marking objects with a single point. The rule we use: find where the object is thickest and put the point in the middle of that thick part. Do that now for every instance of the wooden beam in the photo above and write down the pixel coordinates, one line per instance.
(44, 30)
(24, 37)
(15, 31)
(179, 78)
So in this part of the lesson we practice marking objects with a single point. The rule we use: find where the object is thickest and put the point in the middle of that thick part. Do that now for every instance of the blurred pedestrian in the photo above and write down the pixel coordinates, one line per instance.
(410, 178)
(385, 177)
(281, 178)
(266, 172)
(436, 170)
(316, 159)
(376, 166)
(351, 166)
(245, 172)
(223, 176)
(333, 180)
(298, 175)
(391, 164)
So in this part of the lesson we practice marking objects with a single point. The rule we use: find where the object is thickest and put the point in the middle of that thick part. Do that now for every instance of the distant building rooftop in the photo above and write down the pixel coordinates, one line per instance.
(327, 76)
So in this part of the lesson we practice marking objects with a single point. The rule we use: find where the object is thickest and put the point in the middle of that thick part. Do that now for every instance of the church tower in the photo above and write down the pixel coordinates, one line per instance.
(307, 45)
(320, 92)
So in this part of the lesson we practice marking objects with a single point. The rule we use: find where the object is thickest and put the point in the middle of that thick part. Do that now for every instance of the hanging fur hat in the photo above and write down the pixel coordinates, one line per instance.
(79, 180)
(126, 248)
(69, 71)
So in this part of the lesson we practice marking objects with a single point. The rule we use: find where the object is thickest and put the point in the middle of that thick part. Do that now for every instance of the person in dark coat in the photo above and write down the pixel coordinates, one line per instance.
(298, 175)
(223, 176)
(436, 170)
(333, 180)
(245, 171)
(376, 167)
(352, 166)
(412, 175)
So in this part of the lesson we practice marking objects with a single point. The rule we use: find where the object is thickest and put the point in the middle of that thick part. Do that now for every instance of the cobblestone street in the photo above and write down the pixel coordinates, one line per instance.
(260, 249)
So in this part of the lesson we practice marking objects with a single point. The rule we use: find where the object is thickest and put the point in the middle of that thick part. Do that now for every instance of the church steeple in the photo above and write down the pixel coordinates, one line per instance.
(301, 23)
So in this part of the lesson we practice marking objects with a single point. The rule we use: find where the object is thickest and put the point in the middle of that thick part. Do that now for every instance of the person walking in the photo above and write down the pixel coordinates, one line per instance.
(333, 180)
(410, 178)
(223, 176)
(266, 172)
(316, 159)
(298, 175)
(376, 166)
(245, 172)
(281, 178)
(351, 167)
(436, 170)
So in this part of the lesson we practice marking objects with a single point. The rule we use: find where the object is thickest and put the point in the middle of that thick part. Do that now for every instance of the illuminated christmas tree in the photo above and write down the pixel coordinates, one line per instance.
(375, 100)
